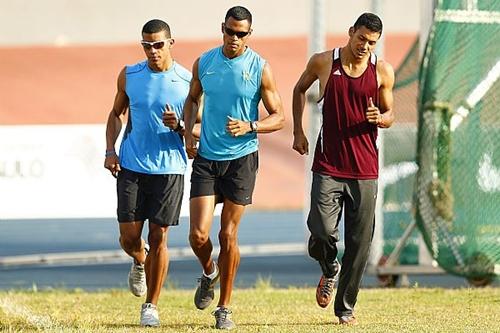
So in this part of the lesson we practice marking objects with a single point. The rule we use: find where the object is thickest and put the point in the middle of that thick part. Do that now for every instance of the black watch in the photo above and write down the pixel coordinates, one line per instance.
(180, 126)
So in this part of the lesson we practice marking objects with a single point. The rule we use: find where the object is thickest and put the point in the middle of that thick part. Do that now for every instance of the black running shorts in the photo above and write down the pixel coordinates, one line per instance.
(233, 180)
(156, 198)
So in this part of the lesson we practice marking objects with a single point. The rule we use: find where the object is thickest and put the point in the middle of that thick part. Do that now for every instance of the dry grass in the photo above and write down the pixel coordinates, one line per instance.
(263, 309)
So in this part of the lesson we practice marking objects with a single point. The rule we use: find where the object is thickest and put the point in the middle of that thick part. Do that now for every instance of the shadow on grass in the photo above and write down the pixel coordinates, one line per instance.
(172, 326)
(316, 324)
(197, 326)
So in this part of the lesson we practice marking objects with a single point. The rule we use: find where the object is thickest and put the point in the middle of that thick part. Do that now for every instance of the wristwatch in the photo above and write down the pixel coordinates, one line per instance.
(180, 126)
(254, 126)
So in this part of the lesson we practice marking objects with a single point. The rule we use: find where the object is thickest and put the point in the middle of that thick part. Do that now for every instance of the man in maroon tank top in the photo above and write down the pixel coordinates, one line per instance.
(356, 90)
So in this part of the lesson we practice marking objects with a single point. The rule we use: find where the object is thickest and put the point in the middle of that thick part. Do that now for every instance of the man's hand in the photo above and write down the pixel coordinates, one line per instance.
(373, 114)
(170, 118)
(300, 144)
(190, 143)
(236, 127)
(112, 163)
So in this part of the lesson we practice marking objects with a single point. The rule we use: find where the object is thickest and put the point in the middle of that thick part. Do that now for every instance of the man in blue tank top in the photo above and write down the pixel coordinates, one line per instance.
(233, 79)
(151, 164)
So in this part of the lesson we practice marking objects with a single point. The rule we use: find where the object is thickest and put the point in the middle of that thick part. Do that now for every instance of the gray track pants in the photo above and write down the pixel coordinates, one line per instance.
(328, 196)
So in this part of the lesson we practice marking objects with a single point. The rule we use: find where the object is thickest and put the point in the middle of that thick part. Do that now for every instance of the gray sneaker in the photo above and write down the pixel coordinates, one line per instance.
(137, 277)
(205, 292)
(222, 320)
(149, 315)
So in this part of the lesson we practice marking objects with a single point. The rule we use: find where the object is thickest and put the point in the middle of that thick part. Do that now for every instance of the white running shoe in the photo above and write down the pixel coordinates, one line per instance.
(137, 277)
(149, 315)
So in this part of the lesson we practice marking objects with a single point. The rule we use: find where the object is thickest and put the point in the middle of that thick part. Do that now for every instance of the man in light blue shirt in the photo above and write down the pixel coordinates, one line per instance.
(151, 163)
(233, 79)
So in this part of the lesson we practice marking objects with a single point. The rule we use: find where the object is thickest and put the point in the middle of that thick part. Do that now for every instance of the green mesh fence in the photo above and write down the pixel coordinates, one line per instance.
(458, 145)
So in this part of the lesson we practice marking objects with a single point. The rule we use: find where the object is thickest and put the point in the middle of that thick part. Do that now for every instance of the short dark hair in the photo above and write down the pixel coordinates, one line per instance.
(155, 26)
(369, 20)
(239, 13)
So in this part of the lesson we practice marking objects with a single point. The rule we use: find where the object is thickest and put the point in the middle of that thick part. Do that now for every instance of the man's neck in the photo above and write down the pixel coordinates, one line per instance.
(348, 58)
(165, 66)
(231, 55)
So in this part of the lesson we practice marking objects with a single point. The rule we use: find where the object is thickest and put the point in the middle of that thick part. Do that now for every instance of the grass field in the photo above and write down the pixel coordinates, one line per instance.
(262, 309)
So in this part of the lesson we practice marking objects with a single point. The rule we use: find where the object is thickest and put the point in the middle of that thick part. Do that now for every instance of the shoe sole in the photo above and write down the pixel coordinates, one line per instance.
(136, 294)
(200, 307)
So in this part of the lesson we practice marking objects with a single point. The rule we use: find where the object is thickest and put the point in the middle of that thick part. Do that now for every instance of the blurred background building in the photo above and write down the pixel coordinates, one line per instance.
(59, 61)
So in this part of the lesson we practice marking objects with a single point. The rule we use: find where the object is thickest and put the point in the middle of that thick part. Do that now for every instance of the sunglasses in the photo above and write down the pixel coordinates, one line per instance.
(239, 34)
(156, 45)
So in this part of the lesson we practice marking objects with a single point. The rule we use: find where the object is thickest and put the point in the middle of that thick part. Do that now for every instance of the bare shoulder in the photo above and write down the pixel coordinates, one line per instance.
(196, 63)
(267, 76)
(266, 69)
(194, 70)
(385, 72)
(122, 78)
(122, 73)
(384, 68)
(322, 58)
(320, 63)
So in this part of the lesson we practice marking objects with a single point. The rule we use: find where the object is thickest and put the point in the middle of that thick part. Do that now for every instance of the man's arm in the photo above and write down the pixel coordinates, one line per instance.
(190, 111)
(272, 102)
(310, 74)
(383, 115)
(385, 94)
(114, 125)
(197, 125)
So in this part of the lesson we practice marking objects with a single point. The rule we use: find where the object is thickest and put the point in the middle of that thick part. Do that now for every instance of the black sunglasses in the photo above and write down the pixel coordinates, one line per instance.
(239, 34)
(156, 45)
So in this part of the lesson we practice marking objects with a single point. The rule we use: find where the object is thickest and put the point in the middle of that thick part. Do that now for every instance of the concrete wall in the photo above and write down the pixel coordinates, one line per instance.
(61, 22)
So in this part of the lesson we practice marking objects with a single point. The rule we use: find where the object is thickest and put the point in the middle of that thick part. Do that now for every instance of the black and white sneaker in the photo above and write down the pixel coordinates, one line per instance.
(205, 292)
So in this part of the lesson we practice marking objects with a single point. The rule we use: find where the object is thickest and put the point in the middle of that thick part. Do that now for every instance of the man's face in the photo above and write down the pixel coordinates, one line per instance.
(362, 41)
(235, 35)
(156, 46)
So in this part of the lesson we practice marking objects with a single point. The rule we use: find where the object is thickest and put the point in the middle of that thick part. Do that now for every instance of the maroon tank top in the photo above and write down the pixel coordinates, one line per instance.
(346, 146)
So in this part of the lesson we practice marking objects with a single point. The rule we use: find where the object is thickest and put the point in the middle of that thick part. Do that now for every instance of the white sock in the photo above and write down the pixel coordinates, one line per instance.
(212, 275)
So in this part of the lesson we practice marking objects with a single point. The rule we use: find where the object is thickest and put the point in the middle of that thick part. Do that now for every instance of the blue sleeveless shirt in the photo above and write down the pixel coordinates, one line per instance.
(231, 87)
(148, 146)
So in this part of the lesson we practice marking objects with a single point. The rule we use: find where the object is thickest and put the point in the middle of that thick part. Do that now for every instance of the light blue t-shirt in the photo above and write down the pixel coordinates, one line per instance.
(148, 146)
(231, 87)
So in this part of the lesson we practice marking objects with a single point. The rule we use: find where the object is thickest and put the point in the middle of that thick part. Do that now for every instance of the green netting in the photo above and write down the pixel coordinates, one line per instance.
(458, 146)
(398, 174)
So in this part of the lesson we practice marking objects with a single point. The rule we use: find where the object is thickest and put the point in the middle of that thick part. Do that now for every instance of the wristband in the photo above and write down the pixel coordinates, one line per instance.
(110, 152)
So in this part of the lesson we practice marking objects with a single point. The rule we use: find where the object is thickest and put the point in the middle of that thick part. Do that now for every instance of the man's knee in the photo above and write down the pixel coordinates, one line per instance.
(227, 238)
(197, 238)
(130, 242)
(157, 237)
(325, 232)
